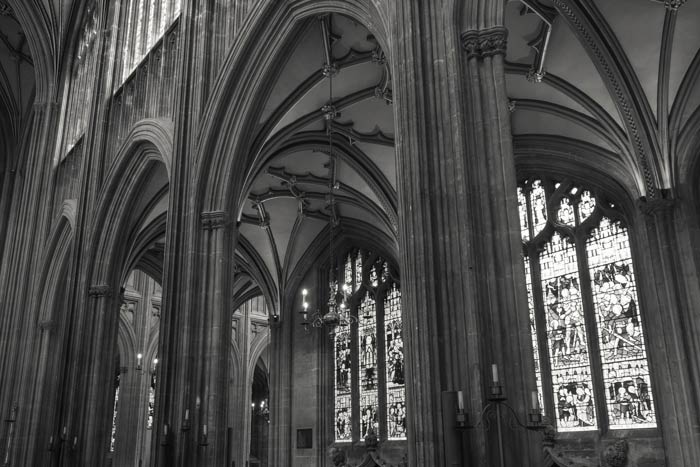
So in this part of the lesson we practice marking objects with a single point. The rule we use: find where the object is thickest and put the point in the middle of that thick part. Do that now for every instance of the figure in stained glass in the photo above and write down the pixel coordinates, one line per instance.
(610, 303)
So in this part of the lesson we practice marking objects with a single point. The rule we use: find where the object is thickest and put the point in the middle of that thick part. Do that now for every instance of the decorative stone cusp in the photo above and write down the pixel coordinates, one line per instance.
(486, 42)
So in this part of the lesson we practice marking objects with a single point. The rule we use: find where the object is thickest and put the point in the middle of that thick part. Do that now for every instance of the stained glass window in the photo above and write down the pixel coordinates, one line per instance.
(580, 277)
(114, 413)
(343, 391)
(151, 401)
(145, 23)
(373, 346)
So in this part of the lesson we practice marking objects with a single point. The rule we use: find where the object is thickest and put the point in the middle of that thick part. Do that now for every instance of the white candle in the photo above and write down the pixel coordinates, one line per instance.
(204, 430)
(187, 414)
(460, 400)
(535, 401)
(494, 373)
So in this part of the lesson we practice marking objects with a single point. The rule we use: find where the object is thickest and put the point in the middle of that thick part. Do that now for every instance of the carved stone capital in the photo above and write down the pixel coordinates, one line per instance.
(674, 5)
(485, 42)
(213, 220)
(101, 290)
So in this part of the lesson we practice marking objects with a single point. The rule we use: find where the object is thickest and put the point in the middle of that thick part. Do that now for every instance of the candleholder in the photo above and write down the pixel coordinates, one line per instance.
(497, 407)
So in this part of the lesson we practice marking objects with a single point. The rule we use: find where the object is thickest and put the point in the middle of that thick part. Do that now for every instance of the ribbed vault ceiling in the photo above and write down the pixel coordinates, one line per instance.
(651, 50)
(287, 208)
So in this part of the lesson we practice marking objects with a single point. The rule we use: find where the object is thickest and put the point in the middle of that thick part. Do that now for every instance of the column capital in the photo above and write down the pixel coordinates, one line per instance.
(674, 5)
(485, 42)
(100, 290)
(213, 220)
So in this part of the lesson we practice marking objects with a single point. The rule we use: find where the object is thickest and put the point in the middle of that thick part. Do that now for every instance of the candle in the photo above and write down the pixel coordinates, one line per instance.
(460, 400)
(204, 430)
(535, 401)
(187, 414)
(494, 373)
(165, 429)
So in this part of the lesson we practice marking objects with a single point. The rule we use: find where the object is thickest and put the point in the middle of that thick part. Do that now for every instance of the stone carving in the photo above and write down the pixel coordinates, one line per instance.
(615, 455)
(371, 440)
(338, 457)
(650, 207)
(101, 290)
(674, 5)
(212, 220)
(485, 43)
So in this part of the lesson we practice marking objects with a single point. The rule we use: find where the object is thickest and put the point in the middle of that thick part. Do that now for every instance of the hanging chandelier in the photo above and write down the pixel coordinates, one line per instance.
(338, 310)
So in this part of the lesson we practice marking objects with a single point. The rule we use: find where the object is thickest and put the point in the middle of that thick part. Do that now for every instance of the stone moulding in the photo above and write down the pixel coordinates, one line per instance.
(485, 42)
(213, 220)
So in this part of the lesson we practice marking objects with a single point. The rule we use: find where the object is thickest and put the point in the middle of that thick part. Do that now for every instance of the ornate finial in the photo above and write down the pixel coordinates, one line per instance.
(535, 76)
(674, 5)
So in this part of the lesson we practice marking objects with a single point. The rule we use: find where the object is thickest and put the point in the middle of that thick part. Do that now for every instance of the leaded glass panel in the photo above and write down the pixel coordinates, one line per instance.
(395, 380)
(114, 414)
(620, 337)
(522, 210)
(538, 207)
(151, 402)
(566, 335)
(586, 205)
(343, 389)
(368, 413)
(566, 212)
(358, 271)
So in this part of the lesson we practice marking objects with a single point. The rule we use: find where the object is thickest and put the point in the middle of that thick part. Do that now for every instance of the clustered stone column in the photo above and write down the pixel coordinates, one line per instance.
(464, 302)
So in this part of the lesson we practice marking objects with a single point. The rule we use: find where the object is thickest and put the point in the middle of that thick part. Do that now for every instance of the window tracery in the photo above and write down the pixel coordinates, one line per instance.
(590, 355)
(375, 401)
(145, 22)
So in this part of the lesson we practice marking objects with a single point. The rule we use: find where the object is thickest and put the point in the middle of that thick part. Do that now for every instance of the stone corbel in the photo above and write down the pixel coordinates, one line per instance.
(673, 5)
(100, 290)
(661, 204)
(485, 43)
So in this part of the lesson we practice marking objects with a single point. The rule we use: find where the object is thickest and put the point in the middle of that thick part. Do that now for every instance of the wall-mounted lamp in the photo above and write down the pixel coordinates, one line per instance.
(203, 440)
(155, 364)
(138, 361)
(164, 436)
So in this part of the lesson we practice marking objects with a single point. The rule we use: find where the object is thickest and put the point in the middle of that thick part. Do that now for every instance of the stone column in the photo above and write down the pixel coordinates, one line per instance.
(501, 277)
(463, 289)
(668, 287)
(442, 336)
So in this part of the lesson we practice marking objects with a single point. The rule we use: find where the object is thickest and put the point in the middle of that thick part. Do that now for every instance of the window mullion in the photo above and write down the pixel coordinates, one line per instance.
(541, 328)
(355, 379)
(591, 331)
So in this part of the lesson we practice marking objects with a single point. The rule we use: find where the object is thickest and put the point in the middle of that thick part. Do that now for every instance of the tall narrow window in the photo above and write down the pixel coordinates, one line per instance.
(114, 413)
(590, 354)
(144, 23)
(372, 347)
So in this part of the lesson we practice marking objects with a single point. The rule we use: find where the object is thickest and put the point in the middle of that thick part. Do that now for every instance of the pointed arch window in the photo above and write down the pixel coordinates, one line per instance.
(590, 353)
(369, 386)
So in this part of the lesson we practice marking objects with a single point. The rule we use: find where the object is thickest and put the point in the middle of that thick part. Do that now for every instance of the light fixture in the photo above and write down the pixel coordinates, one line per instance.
(138, 361)
(338, 311)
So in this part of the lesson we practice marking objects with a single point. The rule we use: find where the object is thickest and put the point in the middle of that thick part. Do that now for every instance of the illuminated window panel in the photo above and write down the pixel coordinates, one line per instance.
(348, 271)
(367, 333)
(522, 210)
(368, 414)
(358, 272)
(395, 378)
(620, 339)
(151, 402)
(586, 206)
(566, 335)
(566, 215)
(114, 414)
(538, 207)
(396, 413)
(342, 386)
